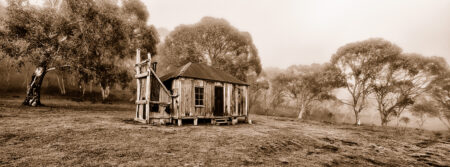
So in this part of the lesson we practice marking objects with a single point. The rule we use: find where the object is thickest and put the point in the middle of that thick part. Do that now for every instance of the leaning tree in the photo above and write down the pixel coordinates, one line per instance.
(35, 35)
(214, 42)
(440, 93)
(399, 81)
(88, 36)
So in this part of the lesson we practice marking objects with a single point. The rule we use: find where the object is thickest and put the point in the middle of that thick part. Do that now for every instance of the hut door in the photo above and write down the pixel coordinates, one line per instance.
(218, 101)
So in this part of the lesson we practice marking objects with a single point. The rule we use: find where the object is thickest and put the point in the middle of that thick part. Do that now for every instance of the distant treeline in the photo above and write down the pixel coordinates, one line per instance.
(373, 73)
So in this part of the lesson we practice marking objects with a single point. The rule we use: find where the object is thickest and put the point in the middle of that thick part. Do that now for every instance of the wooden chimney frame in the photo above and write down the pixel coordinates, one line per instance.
(143, 100)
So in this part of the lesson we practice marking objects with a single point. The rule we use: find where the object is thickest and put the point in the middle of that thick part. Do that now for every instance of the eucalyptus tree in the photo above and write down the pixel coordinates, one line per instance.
(400, 81)
(358, 63)
(106, 34)
(87, 36)
(309, 84)
(214, 42)
(35, 35)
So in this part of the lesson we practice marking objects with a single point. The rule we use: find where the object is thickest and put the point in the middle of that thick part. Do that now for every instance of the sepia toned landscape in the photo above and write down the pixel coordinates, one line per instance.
(224, 83)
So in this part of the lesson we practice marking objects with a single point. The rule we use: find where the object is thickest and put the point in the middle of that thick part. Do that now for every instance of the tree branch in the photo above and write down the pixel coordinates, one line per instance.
(54, 68)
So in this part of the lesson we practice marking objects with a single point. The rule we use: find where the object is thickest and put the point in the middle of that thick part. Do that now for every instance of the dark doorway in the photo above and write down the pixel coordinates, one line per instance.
(218, 101)
(240, 102)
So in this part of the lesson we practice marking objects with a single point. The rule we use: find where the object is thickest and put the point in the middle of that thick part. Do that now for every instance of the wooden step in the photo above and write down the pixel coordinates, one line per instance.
(222, 121)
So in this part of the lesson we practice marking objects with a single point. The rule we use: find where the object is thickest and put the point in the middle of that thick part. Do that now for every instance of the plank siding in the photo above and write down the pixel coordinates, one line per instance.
(227, 97)
(225, 100)
(142, 82)
(184, 104)
(177, 88)
(182, 98)
(225, 104)
(175, 106)
(208, 99)
(186, 85)
(187, 96)
(191, 98)
(234, 100)
(210, 108)
(245, 94)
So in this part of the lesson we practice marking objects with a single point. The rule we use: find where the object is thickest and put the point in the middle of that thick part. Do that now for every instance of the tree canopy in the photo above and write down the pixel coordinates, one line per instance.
(214, 42)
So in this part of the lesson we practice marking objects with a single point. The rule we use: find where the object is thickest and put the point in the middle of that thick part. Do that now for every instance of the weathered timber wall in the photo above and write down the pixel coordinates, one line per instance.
(234, 98)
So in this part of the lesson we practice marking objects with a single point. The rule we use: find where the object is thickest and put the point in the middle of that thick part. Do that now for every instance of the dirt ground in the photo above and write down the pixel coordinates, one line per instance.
(84, 134)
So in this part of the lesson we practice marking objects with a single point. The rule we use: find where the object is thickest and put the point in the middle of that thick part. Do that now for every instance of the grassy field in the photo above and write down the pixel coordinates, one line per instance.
(83, 134)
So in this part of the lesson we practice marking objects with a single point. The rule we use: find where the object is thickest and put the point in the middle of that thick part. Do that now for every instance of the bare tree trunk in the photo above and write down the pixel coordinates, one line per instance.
(33, 97)
(63, 85)
(266, 102)
(105, 92)
(384, 120)
(398, 121)
(82, 87)
(83, 90)
(8, 76)
(59, 85)
(357, 118)
(421, 121)
(302, 111)
(90, 86)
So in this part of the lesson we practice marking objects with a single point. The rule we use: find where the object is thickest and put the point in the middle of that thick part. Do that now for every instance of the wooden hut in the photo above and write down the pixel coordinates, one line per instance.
(204, 92)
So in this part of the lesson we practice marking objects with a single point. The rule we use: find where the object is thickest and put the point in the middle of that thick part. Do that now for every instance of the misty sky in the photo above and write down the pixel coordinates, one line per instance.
(288, 32)
(304, 32)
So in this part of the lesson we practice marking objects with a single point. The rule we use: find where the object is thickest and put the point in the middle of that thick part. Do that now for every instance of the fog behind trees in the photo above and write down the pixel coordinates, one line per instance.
(309, 31)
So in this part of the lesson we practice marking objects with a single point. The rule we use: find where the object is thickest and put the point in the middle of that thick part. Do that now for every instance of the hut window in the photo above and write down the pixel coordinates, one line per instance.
(199, 96)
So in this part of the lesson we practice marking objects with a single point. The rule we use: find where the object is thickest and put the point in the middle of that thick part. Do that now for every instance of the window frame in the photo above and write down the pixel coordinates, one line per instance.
(197, 96)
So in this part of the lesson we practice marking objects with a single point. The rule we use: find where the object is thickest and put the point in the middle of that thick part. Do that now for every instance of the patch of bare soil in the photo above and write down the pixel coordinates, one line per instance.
(83, 134)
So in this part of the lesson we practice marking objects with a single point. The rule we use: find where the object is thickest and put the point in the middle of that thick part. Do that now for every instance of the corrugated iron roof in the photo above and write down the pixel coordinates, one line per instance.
(202, 71)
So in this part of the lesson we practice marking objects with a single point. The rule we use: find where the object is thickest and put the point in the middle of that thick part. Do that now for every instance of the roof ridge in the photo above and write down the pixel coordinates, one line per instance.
(203, 71)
